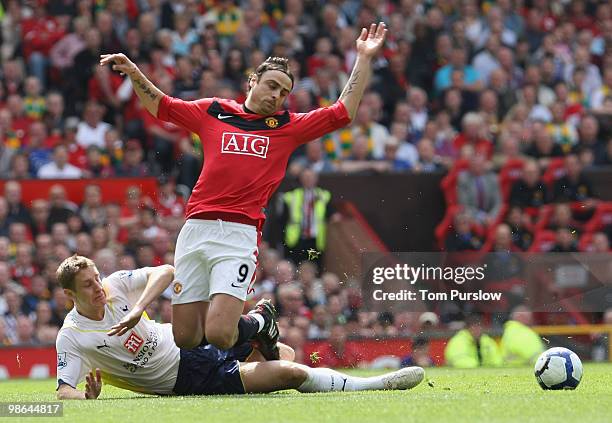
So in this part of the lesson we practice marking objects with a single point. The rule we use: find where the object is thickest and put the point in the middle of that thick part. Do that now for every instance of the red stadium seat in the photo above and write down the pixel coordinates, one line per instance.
(449, 182)
(543, 241)
(446, 225)
(544, 216)
(601, 218)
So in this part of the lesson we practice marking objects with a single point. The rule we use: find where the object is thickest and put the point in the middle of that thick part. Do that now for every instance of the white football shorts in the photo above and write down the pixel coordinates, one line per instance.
(213, 257)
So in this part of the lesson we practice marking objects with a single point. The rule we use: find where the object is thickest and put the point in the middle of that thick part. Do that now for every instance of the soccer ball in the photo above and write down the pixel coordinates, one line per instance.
(558, 368)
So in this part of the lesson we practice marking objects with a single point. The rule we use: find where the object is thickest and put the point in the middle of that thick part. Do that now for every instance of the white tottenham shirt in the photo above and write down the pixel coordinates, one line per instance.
(144, 359)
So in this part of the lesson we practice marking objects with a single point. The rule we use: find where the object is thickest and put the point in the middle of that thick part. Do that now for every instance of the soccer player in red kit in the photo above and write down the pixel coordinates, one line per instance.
(246, 150)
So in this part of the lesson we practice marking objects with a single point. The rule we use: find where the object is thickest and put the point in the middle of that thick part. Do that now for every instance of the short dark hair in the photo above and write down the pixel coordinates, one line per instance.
(67, 271)
(280, 64)
(473, 319)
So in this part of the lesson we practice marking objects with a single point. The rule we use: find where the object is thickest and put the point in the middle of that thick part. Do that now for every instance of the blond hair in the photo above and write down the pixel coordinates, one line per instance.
(67, 271)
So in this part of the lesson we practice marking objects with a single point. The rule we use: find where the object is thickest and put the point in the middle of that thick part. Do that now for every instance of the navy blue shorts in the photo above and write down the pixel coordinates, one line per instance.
(207, 370)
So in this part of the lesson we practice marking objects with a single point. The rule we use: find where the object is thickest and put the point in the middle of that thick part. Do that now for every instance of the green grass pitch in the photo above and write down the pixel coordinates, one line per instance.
(446, 395)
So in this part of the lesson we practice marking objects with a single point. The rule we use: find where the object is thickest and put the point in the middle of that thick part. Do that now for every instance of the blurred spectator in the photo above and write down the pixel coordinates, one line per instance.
(33, 103)
(600, 243)
(291, 300)
(54, 113)
(4, 221)
(478, 191)
(337, 353)
(471, 347)
(428, 160)
(391, 155)
(133, 165)
(311, 285)
(503, 240)
(25, 334)
(518, 222)
(376, 134)
(420, 354)
(600, 348)
(462, 237)
(588, 135)
(17, 211)
(520, 345)
(543, 148)
(313, 159)
(294, 337)
(91, 129)
(7, 284)
(573, 186)
(97, 164)
(562, 132)
(471, 79)
(38, 151)
(305, 214)
(603, 91)
(6, 158)
(4, 339)
(40, 217)
(60, 207)
(582, 60)
(93, 211)
(24, 268)
(14, 310)
(530, 190)
(562, 218)
(565, 241)
(59, 168)
(472, 135)
(605, 155)
(319, 325)
(285, 272)
(63, 52)
(39, 32)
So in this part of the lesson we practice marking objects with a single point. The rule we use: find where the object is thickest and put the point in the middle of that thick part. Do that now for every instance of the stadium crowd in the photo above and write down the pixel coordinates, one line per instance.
(484, 87)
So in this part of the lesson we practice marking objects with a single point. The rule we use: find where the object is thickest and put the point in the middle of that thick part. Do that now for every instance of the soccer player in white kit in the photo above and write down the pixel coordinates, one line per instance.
(108, 338)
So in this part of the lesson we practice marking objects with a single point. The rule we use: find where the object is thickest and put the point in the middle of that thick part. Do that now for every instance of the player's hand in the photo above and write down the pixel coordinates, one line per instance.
(128, 322)
(370, 42)
(120, 63)
(93, 384)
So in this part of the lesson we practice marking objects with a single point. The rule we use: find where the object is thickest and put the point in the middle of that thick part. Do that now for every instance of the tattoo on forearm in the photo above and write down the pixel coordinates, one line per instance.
(351, 84)
(145, 89)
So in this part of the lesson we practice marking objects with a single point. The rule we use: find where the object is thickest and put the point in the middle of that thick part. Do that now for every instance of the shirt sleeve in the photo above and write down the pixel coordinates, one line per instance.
(186, 114)
(127, 281)
(312, 125)
(72, 363)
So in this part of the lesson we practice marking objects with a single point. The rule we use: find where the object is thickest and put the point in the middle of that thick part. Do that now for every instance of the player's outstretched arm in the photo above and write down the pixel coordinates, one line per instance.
(93, 387)
(368, 45)
(159, 278)
(149, 94)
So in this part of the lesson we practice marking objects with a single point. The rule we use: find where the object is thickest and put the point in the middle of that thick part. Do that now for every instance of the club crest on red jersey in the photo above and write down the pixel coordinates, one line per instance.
(245, 144)
(272, 122)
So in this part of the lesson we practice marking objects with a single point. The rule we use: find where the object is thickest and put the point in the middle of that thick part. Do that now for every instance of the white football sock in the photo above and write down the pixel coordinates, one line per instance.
(328, 380)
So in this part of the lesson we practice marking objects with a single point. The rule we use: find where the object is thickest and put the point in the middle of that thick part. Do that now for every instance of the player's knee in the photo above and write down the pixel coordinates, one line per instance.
(286, 352)
(294, 376)
(220, 339)
(184, 340)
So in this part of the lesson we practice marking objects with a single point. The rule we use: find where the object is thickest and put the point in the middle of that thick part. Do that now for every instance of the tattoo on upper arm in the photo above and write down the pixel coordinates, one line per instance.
(351, 84)
(145, 89)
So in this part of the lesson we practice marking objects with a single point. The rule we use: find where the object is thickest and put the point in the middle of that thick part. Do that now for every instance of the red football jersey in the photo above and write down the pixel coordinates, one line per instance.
(245, 154)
